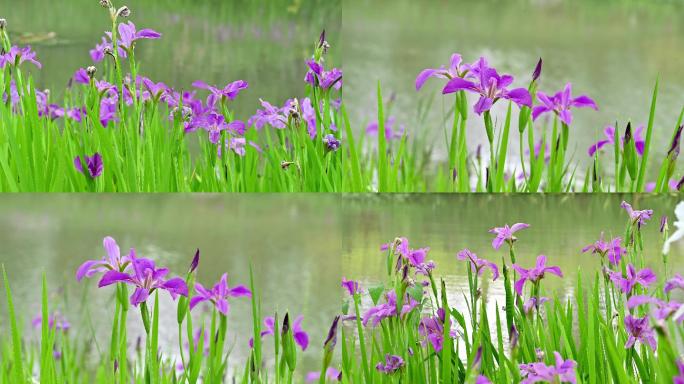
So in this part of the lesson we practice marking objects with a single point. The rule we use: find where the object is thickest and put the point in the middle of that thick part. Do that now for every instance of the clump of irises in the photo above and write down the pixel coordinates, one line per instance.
(623, 323)
(119, 130)
(546, 161)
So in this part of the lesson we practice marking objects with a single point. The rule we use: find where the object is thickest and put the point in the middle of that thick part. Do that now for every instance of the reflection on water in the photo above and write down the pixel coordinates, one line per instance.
(612, 51)
(292, 241)
(560, 226)
(265, 43)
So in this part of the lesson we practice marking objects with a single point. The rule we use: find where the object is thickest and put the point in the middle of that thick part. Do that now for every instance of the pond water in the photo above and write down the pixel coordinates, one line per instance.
(610, 50)
(293, 242)
(560, 226)
(264, 43)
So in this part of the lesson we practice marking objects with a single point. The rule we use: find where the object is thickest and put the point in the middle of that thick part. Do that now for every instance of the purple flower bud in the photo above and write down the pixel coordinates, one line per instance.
(321, 39)
(514, 336)
(537, 70)
(674, 146)
(195, 261)
(332, 144)
(478, 359)
(663, 223)
(331, 340)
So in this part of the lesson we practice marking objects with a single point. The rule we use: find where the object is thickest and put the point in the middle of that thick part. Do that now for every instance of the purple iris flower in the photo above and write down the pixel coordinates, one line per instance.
(478, 265)
(389, 309)
(230, 91)
(97, 54)
(638, 217)
(351, 286)
(128, 35)
(676, 282)
(309, 115)
(215, 123)
(93, 163)
(534, 303)
(81, 76)
(456, 69)
(114, 261)
(639, 330)
(271, 115)
(563, 371)
(663, 310)
(55, 321)
(611, 249)
(679, 379)
(535, 274)
(392, 364)
(17, 56)
(416, 259)
(318, 76)
(108, 109)
(490, 86)
(482, 380)
(561, 103)
(76, 114)
(300, 337)
(156, 90)
(432, 330)
(219, 294)
(146, 278)
(505, 234)
(626, 284)
(332, 144)
(609, 133)
(390, 131)
(330, 373)
(671, 184)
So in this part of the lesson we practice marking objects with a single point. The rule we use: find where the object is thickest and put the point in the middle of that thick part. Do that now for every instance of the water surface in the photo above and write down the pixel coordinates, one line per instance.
(610, 50)
(560, 226)
(293, 242)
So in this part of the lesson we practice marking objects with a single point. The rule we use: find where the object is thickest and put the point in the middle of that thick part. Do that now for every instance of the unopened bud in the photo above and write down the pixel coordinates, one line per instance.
(537, 70)
(105, 3)
(108, 51)
(123, 11)
(91, 71)
(3, 24)
(540, 354)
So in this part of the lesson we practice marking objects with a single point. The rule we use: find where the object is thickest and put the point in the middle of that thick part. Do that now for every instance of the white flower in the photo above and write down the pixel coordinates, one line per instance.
(679, 224)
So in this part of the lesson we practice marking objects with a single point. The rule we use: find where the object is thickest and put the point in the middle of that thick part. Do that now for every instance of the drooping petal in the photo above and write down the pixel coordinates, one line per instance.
(112, 277)
(539, 110)
(240, 291)
(176, 286)
(520, 96)
(584, 101)
(140, 295)
(484, 104)
(423, 76)
(302, 339)
(85, 269)
(457, 84)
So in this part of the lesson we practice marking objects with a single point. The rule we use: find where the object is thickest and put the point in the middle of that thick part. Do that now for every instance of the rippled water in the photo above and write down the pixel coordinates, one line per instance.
(293, 243)
(610, 50)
